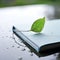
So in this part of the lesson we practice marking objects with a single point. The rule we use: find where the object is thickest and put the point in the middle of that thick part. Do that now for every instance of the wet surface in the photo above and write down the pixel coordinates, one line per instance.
(11, 47)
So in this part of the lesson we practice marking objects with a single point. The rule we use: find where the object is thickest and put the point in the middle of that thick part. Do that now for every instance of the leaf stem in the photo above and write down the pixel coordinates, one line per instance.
(24, 30)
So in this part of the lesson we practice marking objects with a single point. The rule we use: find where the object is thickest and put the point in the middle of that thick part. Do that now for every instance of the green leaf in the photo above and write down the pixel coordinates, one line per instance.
(38, 25)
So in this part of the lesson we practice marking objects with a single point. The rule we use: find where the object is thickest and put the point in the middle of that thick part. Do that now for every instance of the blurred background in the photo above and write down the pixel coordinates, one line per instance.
(53, 3)
(26, 2)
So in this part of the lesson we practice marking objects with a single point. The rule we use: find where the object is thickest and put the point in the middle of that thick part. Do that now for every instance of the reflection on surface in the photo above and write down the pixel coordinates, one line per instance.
(58, 57)
(10, 16)
(57, 12)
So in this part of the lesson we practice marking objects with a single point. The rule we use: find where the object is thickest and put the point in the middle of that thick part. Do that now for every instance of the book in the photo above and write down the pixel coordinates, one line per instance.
(46, 42)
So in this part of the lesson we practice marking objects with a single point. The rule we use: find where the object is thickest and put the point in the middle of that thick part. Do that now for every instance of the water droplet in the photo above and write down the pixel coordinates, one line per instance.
(13, 38)
(13, 46)
(18, 47)
(31, 54)
(54, 54)
(20, 58)
(6, 36)
(23, 49)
